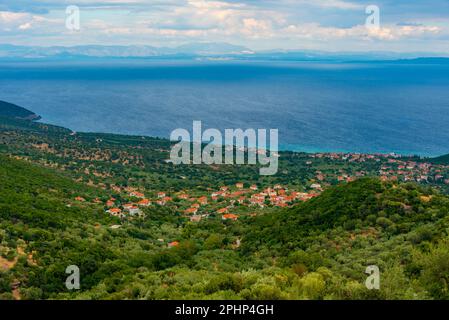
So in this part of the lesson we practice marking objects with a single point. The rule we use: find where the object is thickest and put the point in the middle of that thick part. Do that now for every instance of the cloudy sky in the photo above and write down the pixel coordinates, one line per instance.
(332, 25)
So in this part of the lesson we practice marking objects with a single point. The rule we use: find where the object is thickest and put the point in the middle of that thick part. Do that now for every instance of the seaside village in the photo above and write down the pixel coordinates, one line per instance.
(391, 167)
(231, 202)
(225, 202)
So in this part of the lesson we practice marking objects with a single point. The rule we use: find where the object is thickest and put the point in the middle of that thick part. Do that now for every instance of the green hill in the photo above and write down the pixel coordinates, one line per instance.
(441, 160)
(13, 117)
(316, 250)
(39, 217)
(10, 110)
(366, 203)
(401, 228)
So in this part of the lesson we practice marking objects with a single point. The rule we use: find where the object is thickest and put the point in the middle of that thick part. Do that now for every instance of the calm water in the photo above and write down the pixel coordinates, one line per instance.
(375, 107)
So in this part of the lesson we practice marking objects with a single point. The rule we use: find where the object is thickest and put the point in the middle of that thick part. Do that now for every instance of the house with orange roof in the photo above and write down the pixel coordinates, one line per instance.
(183, 196)
(191, 211)
(222, 210)
(239, 185)
(116, 212)
(173, 244)
(80, 199)
(144, 203)
(253, 187)
(136, 194)
(230, 216)
(128, 206)
(109, 203)
(202, 200)
(161, 194)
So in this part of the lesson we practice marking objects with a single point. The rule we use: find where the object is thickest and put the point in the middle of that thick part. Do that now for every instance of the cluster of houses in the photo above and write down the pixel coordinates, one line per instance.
(421, 172)
(389, 167)
(223, 202)
(228, 200)
(134, 208)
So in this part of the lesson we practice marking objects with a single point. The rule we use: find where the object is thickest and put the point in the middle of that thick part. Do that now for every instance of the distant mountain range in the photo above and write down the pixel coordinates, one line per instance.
(133, 51)
(199, 51)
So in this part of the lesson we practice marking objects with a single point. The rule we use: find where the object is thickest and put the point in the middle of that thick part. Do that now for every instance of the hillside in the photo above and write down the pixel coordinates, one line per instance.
(365, 203)
(316, 250)
(402, 228)
(441, 160)
(10, 110)
(213, 232)
(43, 227)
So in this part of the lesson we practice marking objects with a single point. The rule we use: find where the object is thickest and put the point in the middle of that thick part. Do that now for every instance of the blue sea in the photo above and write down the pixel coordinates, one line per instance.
(372, 107)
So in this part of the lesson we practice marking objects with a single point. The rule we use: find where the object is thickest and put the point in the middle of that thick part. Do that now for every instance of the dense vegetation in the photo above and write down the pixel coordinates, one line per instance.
(317, 249)
(13, 111)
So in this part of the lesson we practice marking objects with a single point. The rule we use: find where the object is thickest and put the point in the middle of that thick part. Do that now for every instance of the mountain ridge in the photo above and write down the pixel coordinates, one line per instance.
(199, 50)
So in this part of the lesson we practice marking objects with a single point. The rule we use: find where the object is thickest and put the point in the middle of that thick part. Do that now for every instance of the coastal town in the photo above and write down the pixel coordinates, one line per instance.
(223, 202)
(232, 202)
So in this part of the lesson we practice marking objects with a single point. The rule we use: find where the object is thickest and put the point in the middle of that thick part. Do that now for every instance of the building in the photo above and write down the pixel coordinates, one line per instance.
(144, 203)
(191, 211)
(173, 244)
(195, 218)
(230, 216)
(136, 194)
(202, 200)
(116, 212)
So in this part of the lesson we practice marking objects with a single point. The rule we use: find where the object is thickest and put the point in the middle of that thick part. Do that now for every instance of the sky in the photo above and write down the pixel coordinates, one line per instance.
(329, 25)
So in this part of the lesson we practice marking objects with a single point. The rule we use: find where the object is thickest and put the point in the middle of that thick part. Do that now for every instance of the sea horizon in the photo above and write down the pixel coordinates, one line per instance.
(358, 107)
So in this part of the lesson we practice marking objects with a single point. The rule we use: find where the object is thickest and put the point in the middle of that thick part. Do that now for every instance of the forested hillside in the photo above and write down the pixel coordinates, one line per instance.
(139, 227)
(13, 111)
(316, 250)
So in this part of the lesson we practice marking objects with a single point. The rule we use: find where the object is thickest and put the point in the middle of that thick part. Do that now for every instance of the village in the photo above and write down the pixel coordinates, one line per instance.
(229, 203)
(225, 202)
(392, 167)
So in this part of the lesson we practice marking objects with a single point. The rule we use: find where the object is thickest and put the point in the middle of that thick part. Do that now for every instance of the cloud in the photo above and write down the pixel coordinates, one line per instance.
(390, 33)
(257, 23)
(16, 22)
